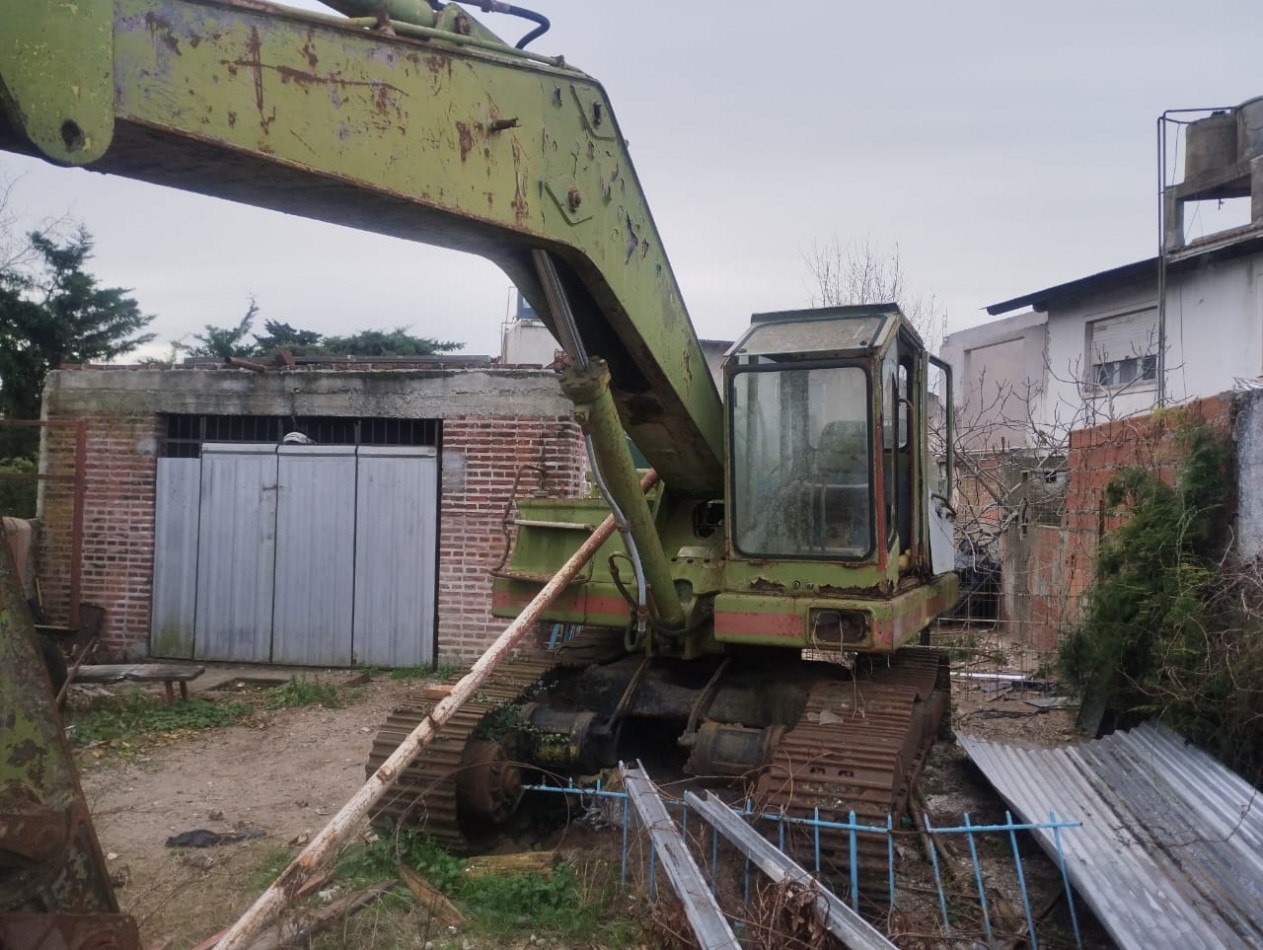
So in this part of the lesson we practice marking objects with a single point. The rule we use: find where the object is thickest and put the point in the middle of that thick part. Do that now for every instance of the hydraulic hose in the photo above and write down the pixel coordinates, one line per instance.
(633, 553)
(542, 23)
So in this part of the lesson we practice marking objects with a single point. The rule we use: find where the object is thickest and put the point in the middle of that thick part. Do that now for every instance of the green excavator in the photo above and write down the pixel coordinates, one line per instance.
(755, 618)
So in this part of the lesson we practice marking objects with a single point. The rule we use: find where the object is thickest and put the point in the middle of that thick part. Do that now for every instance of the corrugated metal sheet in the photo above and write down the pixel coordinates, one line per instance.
(315, 555)
(177, 491)
(1171, 849)
(236, 553)
(395, 545)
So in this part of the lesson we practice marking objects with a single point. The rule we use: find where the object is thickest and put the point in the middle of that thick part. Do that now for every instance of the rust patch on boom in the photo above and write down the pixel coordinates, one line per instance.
(466, 140)
(160, 29)
(521, 209)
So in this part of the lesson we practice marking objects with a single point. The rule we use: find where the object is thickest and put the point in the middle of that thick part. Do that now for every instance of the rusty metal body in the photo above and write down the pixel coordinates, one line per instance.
(53, 882)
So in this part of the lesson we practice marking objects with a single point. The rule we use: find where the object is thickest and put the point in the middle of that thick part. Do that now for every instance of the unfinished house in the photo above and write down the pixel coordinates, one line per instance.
(321, 515)
(1181, 326)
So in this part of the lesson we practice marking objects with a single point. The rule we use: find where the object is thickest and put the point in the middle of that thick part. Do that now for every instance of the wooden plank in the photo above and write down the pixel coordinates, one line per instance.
(431, 898)
(710, 927)
(841, 921)
(138, 673)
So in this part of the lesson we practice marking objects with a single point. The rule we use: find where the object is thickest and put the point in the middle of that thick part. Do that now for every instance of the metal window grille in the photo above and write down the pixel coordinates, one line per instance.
(186, 434)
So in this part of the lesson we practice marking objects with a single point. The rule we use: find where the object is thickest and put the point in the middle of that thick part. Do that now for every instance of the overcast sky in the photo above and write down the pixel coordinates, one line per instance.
(1005, 146)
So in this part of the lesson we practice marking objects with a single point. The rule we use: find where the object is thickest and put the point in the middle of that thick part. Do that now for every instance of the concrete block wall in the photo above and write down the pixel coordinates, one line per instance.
(495, 425)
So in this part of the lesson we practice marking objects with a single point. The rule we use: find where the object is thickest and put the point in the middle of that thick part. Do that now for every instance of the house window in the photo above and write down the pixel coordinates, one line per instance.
(1123, 350)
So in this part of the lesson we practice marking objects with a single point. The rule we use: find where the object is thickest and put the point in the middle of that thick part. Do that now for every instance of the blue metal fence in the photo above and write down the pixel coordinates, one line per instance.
(591, 795)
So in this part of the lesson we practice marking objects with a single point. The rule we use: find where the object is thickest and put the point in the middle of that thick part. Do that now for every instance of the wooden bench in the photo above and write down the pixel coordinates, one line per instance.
(166, 673)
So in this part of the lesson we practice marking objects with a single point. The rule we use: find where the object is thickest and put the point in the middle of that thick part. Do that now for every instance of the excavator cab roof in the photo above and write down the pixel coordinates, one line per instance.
(816, 334)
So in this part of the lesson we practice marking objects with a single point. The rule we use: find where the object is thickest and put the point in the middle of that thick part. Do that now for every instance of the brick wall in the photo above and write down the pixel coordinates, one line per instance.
(481, 458)
(1050, 569)
(118, 524)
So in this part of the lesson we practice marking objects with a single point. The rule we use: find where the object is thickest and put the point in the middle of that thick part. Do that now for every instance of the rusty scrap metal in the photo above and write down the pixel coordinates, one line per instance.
(859, 746)
(710, 927)
(69, 931)
(844, 923)
(30, 832)
(48, 848)
(341, 826)
(1171, 850)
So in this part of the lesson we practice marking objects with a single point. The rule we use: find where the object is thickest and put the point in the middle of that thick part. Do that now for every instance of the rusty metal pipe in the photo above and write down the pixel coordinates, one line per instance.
(344, 823)
(76, 524)
(589, 390)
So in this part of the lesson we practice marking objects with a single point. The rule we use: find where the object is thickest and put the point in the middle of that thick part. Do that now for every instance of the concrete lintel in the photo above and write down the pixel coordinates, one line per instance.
(395, 394)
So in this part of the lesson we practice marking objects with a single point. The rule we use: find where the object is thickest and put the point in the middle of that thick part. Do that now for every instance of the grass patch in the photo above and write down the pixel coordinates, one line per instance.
(123, 718)
(411, 673)
(562, 904)
(309, 692)
(271, 864)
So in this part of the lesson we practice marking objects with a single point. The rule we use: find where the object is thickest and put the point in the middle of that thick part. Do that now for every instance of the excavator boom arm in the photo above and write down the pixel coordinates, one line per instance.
(441, 135)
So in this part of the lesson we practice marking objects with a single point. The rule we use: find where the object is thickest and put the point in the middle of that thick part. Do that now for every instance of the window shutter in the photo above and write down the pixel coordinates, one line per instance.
(1124, 337)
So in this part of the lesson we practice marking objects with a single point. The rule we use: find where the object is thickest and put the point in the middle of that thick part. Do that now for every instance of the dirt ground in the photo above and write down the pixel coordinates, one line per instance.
(289, 770)
(285, 773)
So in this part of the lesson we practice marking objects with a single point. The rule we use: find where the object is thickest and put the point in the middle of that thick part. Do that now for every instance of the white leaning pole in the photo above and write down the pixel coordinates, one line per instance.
(270, 903)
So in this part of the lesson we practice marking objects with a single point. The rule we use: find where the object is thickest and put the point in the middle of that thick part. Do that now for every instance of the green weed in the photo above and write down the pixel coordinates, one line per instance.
(122, 718)
(308, 692)
(411, 673)
(561, 903)
(271, 864)
(447, 671)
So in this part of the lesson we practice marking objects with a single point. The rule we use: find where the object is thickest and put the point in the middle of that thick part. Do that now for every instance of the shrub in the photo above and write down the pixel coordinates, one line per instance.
(1172, 628)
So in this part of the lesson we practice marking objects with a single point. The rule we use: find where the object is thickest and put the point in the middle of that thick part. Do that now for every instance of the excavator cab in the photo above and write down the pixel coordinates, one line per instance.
(800, 415)
(829, 506)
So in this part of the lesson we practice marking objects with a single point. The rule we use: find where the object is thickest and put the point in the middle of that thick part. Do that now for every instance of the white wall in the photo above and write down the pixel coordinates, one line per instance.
(1214, 319)
(1215, 327)
(995, 368)
(527, 343)
(1067, 403)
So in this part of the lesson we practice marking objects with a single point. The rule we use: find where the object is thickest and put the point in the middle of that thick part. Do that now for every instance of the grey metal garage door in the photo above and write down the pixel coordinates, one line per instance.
(298, 554)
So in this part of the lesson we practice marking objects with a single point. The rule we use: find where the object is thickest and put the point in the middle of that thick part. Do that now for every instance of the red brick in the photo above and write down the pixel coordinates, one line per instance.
(117, 565)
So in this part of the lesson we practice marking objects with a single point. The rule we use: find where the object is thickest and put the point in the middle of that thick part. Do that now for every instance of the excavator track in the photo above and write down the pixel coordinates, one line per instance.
(858, 747)
(448, 770)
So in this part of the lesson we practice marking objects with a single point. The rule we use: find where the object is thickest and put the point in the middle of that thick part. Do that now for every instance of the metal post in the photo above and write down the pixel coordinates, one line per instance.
(815, 833)
(890, 857)
(76, 524)
(855, 868)
(982, 891)
(938, 880)
(1021, 883)
(1065, 876)
(622, 876)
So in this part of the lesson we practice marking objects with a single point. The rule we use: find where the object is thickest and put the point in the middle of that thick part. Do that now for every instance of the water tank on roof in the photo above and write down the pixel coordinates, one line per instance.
(1211, 145)
(1250, 129)
(524, 310)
